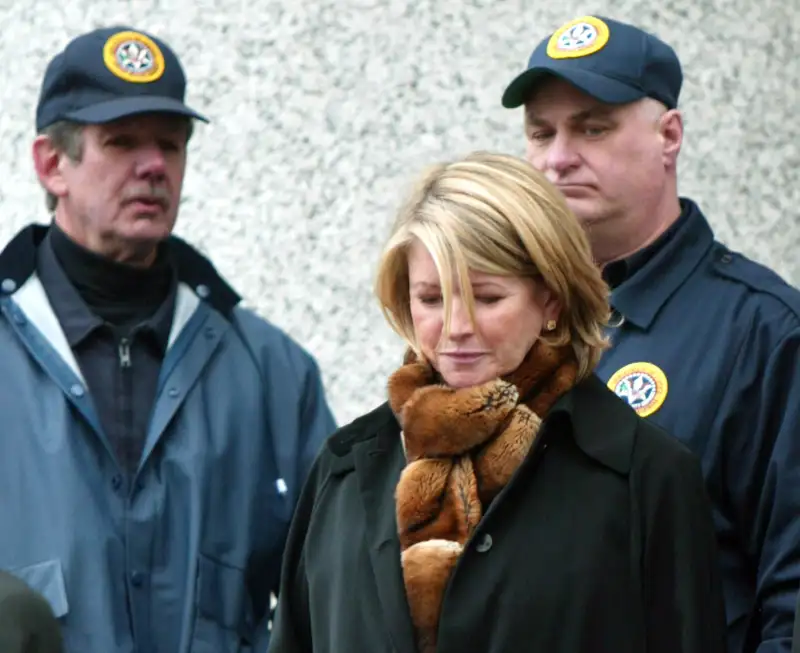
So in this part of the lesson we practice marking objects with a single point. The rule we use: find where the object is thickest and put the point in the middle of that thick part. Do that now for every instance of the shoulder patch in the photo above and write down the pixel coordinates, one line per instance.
(643, 385)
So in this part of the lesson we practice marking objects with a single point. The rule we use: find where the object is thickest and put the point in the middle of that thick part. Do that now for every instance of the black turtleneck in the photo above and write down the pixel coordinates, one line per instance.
(120, 294)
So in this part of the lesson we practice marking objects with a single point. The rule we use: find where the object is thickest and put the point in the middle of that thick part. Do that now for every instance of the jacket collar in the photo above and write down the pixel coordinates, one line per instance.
(18, 262)
(640, 297)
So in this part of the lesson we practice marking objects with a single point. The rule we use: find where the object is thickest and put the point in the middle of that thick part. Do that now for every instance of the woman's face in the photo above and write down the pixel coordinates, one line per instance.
(510, 313)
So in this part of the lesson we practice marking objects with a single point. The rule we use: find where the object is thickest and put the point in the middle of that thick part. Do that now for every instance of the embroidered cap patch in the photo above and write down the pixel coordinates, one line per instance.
(642, 385)
(578, 38)
(133, 57)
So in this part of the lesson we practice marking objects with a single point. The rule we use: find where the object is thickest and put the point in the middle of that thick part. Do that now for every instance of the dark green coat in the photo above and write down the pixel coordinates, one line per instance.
(27, 624)
(602, 541)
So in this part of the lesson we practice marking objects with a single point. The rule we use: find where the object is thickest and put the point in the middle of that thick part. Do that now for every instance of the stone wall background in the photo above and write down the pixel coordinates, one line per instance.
(323, 110)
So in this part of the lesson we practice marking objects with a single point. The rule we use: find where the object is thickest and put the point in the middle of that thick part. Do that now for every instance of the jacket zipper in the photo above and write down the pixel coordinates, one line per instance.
(124, 353)
(124, 404)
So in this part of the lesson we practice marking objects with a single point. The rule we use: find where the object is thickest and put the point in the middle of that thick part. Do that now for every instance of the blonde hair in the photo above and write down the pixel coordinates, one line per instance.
(496, 214)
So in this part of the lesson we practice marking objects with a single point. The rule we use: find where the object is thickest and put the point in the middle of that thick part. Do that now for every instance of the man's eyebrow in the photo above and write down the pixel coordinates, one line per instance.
(532, 119)
(596, 111)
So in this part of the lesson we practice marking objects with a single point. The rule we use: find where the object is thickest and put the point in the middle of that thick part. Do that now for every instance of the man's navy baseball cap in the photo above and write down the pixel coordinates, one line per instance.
(111, 73)
(613, 62)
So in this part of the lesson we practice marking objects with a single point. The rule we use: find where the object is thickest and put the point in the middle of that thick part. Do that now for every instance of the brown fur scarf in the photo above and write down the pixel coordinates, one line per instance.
(462, 446)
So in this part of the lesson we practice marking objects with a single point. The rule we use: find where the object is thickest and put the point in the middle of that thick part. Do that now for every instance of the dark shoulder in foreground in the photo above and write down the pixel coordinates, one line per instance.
(610, 431)
(652, 441)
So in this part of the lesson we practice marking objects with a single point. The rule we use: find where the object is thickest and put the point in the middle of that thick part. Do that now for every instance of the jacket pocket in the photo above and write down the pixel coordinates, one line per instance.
(224, 613)
(47, 578)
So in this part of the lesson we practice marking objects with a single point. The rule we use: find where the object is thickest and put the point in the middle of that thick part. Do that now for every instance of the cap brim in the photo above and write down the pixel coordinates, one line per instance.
(599, 87)
(131, 106)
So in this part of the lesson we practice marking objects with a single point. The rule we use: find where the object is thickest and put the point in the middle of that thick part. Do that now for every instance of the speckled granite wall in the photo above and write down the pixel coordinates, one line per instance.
(323, 109)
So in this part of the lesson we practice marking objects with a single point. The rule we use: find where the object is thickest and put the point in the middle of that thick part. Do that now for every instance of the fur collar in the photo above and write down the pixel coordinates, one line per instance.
(461, 446)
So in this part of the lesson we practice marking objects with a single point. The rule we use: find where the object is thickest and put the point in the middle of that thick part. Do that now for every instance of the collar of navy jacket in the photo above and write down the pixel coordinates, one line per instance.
(641, 297)
(18, 263)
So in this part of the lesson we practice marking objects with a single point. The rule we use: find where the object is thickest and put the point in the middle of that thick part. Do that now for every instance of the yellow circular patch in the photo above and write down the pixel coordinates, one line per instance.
(578, 38)
(642, 385)
(133, 57)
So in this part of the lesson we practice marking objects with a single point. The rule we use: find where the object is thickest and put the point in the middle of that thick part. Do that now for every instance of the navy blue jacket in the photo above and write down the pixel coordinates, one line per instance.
(709, 349)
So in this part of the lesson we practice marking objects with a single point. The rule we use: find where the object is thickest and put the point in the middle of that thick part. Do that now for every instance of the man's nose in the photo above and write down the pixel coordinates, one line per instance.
(151, 162)
(561, 155)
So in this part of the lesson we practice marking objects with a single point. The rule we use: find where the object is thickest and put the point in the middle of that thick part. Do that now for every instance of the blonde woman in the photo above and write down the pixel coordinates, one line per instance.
(502, 499)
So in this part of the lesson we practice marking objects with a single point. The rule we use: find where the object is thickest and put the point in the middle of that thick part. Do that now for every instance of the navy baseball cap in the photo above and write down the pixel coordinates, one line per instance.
(111, 73)
(613, 62)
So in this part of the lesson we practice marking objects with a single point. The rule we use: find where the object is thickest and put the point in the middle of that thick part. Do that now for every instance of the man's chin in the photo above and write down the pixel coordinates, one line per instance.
(149, 228)
(140, 245)
(588, 212)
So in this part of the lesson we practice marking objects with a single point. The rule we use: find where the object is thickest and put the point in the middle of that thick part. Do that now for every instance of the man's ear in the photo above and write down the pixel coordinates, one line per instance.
(47, 163)
(671, 129)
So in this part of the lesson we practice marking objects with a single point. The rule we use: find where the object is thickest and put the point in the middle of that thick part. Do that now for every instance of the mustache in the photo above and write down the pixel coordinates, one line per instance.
(157, 194)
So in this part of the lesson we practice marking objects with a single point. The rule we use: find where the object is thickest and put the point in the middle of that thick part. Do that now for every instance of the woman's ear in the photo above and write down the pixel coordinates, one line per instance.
(549, 304)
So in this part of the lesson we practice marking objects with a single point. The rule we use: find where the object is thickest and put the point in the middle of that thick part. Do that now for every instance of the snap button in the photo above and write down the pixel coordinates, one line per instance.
(19, 318)
(8, 286)
(616, 320)
(173, 392)
(210, 332)
(116, 481)
(485, 543)
(202, 291)
(137, 578)
(77, 390)
(726, 258)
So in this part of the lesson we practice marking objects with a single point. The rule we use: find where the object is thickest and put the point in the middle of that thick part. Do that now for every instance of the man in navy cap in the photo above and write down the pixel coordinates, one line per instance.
(705, 342)
(155, 432)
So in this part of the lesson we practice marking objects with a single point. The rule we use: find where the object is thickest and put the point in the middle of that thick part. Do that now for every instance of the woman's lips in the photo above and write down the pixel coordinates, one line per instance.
(463, 357)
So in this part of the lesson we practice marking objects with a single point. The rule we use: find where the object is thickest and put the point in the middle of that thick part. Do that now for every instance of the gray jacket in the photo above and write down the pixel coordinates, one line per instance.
(184, 557)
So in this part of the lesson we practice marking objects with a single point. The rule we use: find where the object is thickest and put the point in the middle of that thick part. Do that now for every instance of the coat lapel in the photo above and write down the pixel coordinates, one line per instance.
(378, 463)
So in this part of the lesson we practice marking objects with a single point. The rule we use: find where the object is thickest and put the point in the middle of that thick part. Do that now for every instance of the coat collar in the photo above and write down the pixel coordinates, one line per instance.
(602, 424)
(640, 297)
(19, 258)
